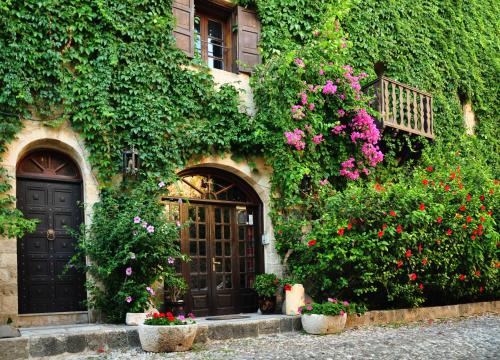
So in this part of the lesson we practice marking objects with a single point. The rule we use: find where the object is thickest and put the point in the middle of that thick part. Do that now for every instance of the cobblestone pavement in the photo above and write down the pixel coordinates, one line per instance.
(466, 338)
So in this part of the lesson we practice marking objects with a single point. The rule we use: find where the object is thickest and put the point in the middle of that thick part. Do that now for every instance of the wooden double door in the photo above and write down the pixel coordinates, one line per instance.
(221, 242)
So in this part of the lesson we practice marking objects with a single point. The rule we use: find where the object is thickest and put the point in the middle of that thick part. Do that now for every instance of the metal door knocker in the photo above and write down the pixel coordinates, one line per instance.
(51, 234)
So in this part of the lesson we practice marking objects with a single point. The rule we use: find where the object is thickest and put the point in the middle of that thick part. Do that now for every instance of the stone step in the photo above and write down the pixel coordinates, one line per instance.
(60, 340)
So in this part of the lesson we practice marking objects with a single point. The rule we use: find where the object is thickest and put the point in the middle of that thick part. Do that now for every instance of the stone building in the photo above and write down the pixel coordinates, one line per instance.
(50, 175)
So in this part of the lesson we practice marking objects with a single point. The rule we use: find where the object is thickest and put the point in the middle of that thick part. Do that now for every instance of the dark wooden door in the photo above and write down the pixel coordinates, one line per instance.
(222, 266)
(44, 285)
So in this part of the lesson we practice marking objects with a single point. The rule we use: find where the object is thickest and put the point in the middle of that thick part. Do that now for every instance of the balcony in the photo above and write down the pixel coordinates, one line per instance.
(401, 106)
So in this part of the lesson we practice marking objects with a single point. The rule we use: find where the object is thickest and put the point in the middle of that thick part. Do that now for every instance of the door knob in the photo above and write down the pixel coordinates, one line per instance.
(214, 263)
(51, 234)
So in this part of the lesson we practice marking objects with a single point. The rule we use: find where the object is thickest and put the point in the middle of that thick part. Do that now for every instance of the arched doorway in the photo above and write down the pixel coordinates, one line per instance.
(222, 225)
(49, 188)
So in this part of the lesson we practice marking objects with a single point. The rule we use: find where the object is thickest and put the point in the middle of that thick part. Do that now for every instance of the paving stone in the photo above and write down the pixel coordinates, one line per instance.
(14, 348)
(116, 340)
(220, 332)
(46, 345)
(464, 338)
(286, 325)
(95, 341)
(201, 334)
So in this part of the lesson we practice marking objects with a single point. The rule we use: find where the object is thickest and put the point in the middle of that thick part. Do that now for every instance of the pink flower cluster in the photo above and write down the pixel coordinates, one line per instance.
(317, 139)
(354, 80)
(329, 88)
(298, 112)
(349, 170)
(299, 62)
(295, 139)
(364, 128)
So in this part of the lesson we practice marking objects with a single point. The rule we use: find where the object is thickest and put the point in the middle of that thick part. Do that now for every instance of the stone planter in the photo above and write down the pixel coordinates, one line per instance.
(164, 338)
(135, 319)
(322, 324)
(294, 299)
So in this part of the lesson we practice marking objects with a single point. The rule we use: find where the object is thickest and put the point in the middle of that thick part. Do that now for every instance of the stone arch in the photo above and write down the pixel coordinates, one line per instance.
(259, 178)
(35, 135)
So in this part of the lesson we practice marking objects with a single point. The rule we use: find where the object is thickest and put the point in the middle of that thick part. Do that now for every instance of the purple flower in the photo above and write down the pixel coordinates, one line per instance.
(330, 300)
(299, 62)
(321, 72)
(144, 224)
(341, 112)
(309, 307)
(346, 303)
(181, 317)
(338, 129)
(161, 184)
(323, 182)
(178, 223)
(128, 299)
(191, 315)
(137, 220)
(151, 291)
(171, 260)
(329, 88)
(311, 106)
(150, 229)
(128, 271)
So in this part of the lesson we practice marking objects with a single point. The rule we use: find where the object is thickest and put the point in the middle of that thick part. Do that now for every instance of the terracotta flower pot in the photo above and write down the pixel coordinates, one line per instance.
(165, 338)
(267, 304)
(323, 324)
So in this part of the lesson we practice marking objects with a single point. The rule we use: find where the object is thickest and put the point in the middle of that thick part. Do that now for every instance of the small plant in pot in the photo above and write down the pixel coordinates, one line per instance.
(175, 288)
(328, 317)
(164, 332)
(266, 286)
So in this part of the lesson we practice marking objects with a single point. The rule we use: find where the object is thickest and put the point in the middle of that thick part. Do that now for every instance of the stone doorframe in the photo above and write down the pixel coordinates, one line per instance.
(35, 135)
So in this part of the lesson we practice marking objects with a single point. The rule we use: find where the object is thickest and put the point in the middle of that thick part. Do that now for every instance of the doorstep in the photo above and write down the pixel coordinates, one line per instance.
(43, 341)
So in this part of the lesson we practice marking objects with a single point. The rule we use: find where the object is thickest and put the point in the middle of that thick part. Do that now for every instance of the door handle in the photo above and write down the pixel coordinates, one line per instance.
(214, 263)
(51, 234)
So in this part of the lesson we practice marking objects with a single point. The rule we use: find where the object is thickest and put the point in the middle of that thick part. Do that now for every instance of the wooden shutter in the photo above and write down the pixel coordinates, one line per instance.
(183, 11)
(248, 39)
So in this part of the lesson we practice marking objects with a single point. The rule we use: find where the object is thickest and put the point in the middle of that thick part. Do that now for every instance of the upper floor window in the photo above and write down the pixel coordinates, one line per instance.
(225, 36)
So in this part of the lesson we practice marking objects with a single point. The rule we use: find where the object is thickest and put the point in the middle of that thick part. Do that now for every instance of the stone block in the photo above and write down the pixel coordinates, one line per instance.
(75, 343)
(220, 332)
(286, 324)
(133, 338)
(9, 304)
(95, 341)
(46, 346)
(14, 348)
(296, 323)
(201, 334)
(245, 330)
(7, 331)
(116, 340)
(271, 326)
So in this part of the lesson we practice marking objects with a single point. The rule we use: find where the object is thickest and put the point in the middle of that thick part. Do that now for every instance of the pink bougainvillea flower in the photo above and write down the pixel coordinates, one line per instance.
(181, 317)
(321, 72)
(341, 112)
(137, 220)
(311, 106)
(150, 229)
(323, 182)
(128, 271)
(191, 316)
(299, 62)
(311, 243)
(338, 129)
(412, 276)
(422, 207)
(329, 88)
(346, 303)
(317, 139)
(331, 300)
(309, 307)
(171, 260)
(342, 312)
(128, 299)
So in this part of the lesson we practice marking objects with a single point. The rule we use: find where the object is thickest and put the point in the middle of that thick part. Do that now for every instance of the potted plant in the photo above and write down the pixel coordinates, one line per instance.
(266, 286)
(136, 315)
(175, 288)
(328, 317)
(163, 332)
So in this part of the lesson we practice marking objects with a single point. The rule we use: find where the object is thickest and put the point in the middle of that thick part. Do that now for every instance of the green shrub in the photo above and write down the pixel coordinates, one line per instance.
(130, 245)
(266, 285)
(332, 307)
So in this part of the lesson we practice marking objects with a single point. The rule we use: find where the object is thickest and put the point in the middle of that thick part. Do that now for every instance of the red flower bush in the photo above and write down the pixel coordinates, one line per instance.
(413, 276)
(311, 243)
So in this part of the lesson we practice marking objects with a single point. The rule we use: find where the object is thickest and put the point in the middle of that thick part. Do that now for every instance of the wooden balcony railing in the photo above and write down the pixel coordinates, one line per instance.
(401, 106)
